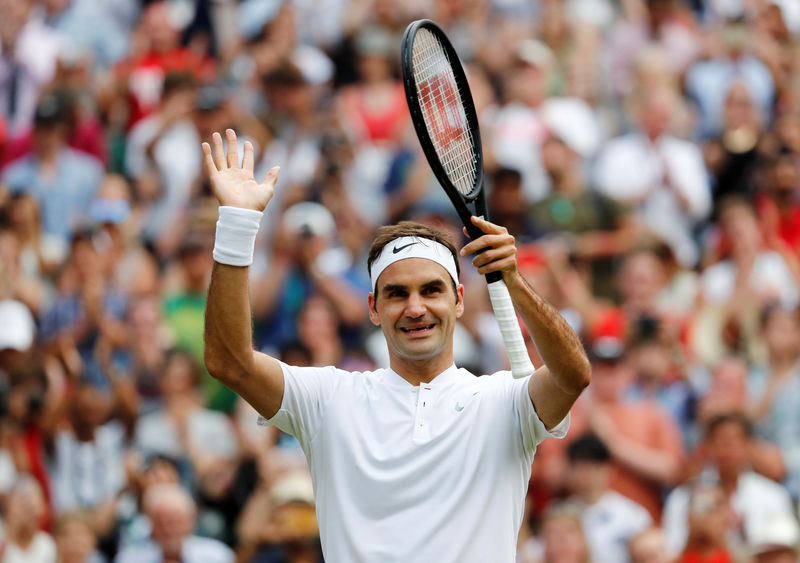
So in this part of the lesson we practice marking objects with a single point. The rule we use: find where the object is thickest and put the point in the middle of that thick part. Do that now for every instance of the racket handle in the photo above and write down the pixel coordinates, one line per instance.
(521, 365)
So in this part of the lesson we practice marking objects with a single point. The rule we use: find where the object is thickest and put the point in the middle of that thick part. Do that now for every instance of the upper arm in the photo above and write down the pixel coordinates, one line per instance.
(262, 386)
(550, 402)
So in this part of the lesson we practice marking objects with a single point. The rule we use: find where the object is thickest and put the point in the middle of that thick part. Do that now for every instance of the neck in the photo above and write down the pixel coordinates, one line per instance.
(568, 183)
(421, 371)
(728, 481)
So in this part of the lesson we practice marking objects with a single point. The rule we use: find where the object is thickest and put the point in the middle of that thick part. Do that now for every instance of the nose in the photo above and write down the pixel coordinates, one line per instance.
(415, 306)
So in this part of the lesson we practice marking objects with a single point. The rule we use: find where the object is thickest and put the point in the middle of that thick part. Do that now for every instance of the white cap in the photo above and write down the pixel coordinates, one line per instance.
(17, 327)
(573, 121)
(294, 486)
(310, 217)
(779, 532)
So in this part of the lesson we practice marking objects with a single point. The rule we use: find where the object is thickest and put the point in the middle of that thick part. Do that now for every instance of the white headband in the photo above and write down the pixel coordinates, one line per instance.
(413, 247)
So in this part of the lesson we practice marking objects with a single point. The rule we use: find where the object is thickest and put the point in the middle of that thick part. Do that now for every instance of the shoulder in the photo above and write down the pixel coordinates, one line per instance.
(139, 553)
(209, 550)
(763, 488)
(18, 171)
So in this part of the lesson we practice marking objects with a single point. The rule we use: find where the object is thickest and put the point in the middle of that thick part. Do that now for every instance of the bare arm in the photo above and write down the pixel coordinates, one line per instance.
(229, 354)
(554, 387)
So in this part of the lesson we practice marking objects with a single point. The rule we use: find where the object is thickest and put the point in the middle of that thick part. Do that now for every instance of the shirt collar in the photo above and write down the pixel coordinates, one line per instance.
(448, 376)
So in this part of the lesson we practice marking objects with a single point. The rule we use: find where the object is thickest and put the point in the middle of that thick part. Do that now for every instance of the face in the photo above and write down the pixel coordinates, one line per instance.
(729, 448)
(649, 547)
(564, 541)
(417, 309)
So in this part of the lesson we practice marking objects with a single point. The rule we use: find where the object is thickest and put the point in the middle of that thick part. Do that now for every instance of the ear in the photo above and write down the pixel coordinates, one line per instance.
(373, 312)
(459, 301)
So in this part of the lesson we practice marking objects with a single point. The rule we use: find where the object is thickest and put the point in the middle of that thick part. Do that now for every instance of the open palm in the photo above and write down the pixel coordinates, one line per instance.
(235, 186)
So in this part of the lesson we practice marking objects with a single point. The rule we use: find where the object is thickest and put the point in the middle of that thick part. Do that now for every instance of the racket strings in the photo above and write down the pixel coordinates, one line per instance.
(442, 107)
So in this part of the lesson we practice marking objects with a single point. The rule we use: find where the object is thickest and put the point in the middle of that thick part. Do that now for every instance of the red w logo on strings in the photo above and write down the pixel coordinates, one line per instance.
(443, 112)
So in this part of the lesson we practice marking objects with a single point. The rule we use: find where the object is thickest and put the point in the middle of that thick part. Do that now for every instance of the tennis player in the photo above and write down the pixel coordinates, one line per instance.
(421, 461)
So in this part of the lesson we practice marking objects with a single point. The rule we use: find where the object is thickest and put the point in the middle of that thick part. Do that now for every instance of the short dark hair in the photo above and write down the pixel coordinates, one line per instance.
(736, 417)
(588, 448)
(388, 233)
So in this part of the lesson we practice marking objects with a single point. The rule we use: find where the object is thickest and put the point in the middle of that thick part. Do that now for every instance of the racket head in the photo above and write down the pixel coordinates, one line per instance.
(444, 117)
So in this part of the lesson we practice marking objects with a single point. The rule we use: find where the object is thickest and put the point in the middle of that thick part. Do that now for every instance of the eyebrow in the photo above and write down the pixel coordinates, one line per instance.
(432, 284)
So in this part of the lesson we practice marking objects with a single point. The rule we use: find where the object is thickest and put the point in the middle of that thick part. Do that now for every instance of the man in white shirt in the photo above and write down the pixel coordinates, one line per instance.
(420, 461)
(753, 499)
(660, 176)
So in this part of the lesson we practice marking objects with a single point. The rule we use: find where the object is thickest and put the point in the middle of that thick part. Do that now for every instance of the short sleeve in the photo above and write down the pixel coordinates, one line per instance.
(533, 429)
(306, 393)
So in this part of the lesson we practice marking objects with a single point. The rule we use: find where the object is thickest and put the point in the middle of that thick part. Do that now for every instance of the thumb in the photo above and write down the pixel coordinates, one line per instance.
(272, 176)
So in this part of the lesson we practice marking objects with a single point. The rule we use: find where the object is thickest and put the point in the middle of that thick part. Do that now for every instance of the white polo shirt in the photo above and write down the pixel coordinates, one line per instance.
(402, 473)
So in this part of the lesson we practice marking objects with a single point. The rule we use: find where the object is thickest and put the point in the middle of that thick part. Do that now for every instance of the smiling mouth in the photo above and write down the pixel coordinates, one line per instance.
(417, 329)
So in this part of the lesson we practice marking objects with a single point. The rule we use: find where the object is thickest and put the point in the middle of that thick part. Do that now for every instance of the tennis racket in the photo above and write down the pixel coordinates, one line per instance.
(444, 118)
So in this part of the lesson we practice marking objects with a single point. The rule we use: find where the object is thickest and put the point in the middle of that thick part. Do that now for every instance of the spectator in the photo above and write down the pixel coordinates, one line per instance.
(75, 539)
(776, 541)
(62, 180)
(83, 326)
(774, 386)
(644, 442)
(709, 80)
(563, 537)
(171, 512)
(735, 289)
(27, 63)
(706, 521)
(26, 542)
(162, 157)
(609, 520)
(661, 176)
(648, 546)
(594, 227)
(751, 498)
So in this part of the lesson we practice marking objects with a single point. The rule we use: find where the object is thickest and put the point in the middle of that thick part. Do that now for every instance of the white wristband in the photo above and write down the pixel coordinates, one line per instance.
(236, 235)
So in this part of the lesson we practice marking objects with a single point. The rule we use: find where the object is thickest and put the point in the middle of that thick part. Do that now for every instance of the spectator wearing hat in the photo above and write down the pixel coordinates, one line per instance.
(776, 541)
(594, 227)
(61, 179)
(279, 523)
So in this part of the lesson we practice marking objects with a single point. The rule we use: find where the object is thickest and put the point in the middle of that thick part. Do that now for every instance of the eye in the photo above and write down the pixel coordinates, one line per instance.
(396, 293)
(432, 290)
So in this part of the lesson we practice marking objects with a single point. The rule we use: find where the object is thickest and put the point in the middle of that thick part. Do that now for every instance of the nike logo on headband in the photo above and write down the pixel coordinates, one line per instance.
(397, 249)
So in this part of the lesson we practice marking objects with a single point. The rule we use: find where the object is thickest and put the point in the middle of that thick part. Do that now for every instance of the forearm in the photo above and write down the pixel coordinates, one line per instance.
(652, 464)
(558, 345)
(228, 333)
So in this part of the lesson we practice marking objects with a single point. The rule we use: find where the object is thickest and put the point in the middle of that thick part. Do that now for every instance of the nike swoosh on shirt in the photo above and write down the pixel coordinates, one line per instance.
(397, 249)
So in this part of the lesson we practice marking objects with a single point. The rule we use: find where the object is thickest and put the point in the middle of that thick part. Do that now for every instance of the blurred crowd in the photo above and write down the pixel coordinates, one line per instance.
(644, 153)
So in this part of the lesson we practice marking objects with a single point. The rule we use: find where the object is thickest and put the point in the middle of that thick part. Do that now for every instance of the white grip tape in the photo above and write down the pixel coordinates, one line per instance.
(236, 235)
(521, 365)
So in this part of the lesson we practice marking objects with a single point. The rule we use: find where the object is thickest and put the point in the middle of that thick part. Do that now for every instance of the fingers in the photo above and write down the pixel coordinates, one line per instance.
(233, 149)
(219, 152)
(487, 227)
(488, 241)
(249, 159)
(211, 168)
